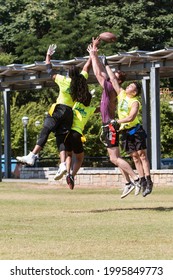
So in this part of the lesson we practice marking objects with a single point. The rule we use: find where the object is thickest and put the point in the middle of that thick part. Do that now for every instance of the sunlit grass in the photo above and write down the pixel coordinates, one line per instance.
(48, 222)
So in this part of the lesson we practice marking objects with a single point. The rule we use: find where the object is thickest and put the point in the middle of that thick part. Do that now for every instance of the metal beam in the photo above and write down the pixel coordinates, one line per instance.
(0, 142)
(155, 117)
(7, 134)
(146, 112)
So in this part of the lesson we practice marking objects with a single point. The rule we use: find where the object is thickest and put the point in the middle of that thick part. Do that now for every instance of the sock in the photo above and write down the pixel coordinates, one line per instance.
(137, 180)
(148, 178)
(127, 184)
(142, 179)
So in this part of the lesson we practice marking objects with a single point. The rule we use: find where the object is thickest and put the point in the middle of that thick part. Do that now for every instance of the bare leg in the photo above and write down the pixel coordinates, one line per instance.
(62, 167)
(68, 161)
(36, 149)
(77, 163)
(115, 158)
(143, 166)
(138, 164)
(125, 175)
(62, 155)
(145, 162)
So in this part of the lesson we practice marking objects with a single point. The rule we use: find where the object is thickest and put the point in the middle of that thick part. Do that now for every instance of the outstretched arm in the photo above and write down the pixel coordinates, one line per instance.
(113, 79)
(98, 68)
(49, 53)
(87, 65)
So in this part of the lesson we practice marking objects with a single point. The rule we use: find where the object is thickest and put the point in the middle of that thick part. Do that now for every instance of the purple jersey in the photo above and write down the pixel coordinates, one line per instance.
(105, 102)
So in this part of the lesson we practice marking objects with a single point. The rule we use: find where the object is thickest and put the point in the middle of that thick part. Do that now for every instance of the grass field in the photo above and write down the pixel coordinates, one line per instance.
(48, 222)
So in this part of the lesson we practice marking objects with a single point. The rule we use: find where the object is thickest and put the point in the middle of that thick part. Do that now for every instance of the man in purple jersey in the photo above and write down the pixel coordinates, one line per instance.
(110, 134)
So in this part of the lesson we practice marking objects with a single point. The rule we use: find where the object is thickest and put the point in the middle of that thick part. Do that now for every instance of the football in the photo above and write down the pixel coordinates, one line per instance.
(108, 37)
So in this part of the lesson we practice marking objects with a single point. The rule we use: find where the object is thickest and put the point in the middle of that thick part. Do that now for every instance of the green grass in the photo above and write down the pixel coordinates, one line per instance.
(47, 222)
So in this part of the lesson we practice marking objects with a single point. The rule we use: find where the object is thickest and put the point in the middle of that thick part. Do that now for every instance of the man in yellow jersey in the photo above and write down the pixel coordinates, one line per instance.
(60, 116)
(133, 134)
(108, 107)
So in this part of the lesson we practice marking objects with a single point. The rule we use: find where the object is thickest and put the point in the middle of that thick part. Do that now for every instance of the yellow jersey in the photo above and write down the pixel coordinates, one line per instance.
(64, 96)
(124, 107)
(81, 114)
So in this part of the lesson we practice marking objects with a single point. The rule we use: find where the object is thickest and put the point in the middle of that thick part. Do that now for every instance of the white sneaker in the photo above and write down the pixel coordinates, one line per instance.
(127, 189)
(61, 171)
(29, 159)
(137, 187)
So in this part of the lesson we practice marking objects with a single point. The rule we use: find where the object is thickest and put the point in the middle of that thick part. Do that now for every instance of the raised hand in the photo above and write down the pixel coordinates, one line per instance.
(95, 42)
(51, 49)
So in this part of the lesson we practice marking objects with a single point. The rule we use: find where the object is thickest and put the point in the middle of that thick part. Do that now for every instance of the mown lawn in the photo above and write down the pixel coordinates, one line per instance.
(48, 222)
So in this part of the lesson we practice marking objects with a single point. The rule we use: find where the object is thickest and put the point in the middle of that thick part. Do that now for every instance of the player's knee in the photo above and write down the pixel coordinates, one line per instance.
(114, 160)
(43, 136)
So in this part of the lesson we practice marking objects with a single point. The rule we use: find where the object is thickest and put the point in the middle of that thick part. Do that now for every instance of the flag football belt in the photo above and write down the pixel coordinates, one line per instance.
(52, 109)
(133, 130)
(112, 132)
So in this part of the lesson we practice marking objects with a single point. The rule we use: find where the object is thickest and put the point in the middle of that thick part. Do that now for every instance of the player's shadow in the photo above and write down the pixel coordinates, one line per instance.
(159, 209)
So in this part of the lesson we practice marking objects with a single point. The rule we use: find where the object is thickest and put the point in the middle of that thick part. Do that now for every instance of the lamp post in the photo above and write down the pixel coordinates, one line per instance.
(37, 124)
(25, 121)
(45, 114)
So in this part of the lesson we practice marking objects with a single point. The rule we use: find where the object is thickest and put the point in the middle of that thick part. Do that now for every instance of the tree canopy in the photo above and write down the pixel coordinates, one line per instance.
(27, 27)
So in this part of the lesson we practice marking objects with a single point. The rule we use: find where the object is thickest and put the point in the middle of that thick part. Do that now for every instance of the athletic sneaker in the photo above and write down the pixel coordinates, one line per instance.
(70, 181)
(29, 159)
(148, 188)
(137, 187)
(128, 189)
(61, 171)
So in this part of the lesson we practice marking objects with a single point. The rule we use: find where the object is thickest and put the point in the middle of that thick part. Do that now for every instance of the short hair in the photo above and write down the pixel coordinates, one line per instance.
(138, 87)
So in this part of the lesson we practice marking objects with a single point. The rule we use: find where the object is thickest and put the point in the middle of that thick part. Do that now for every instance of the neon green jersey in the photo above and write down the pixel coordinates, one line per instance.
(64, 89)
(124, 107)
(81, 114)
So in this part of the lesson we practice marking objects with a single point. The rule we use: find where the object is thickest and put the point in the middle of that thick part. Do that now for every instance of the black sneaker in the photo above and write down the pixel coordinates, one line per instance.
(148, 188)
(143, 184)
(70, 181)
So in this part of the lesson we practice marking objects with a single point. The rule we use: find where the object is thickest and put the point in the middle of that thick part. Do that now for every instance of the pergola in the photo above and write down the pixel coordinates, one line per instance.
(149, 67)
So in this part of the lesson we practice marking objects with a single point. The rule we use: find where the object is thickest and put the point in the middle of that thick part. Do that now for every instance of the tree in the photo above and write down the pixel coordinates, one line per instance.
(166, 127)
(27, 27)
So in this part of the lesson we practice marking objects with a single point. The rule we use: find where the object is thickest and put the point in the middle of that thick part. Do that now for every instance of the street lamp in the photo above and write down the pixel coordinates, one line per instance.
(37, 123)
(25, 121)
(45, 114)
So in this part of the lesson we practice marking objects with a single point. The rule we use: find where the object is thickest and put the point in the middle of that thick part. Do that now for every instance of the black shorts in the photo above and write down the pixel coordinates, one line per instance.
(73, 142)
(134, 142)
(61, 119)
(60, 141)
(109, 136)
